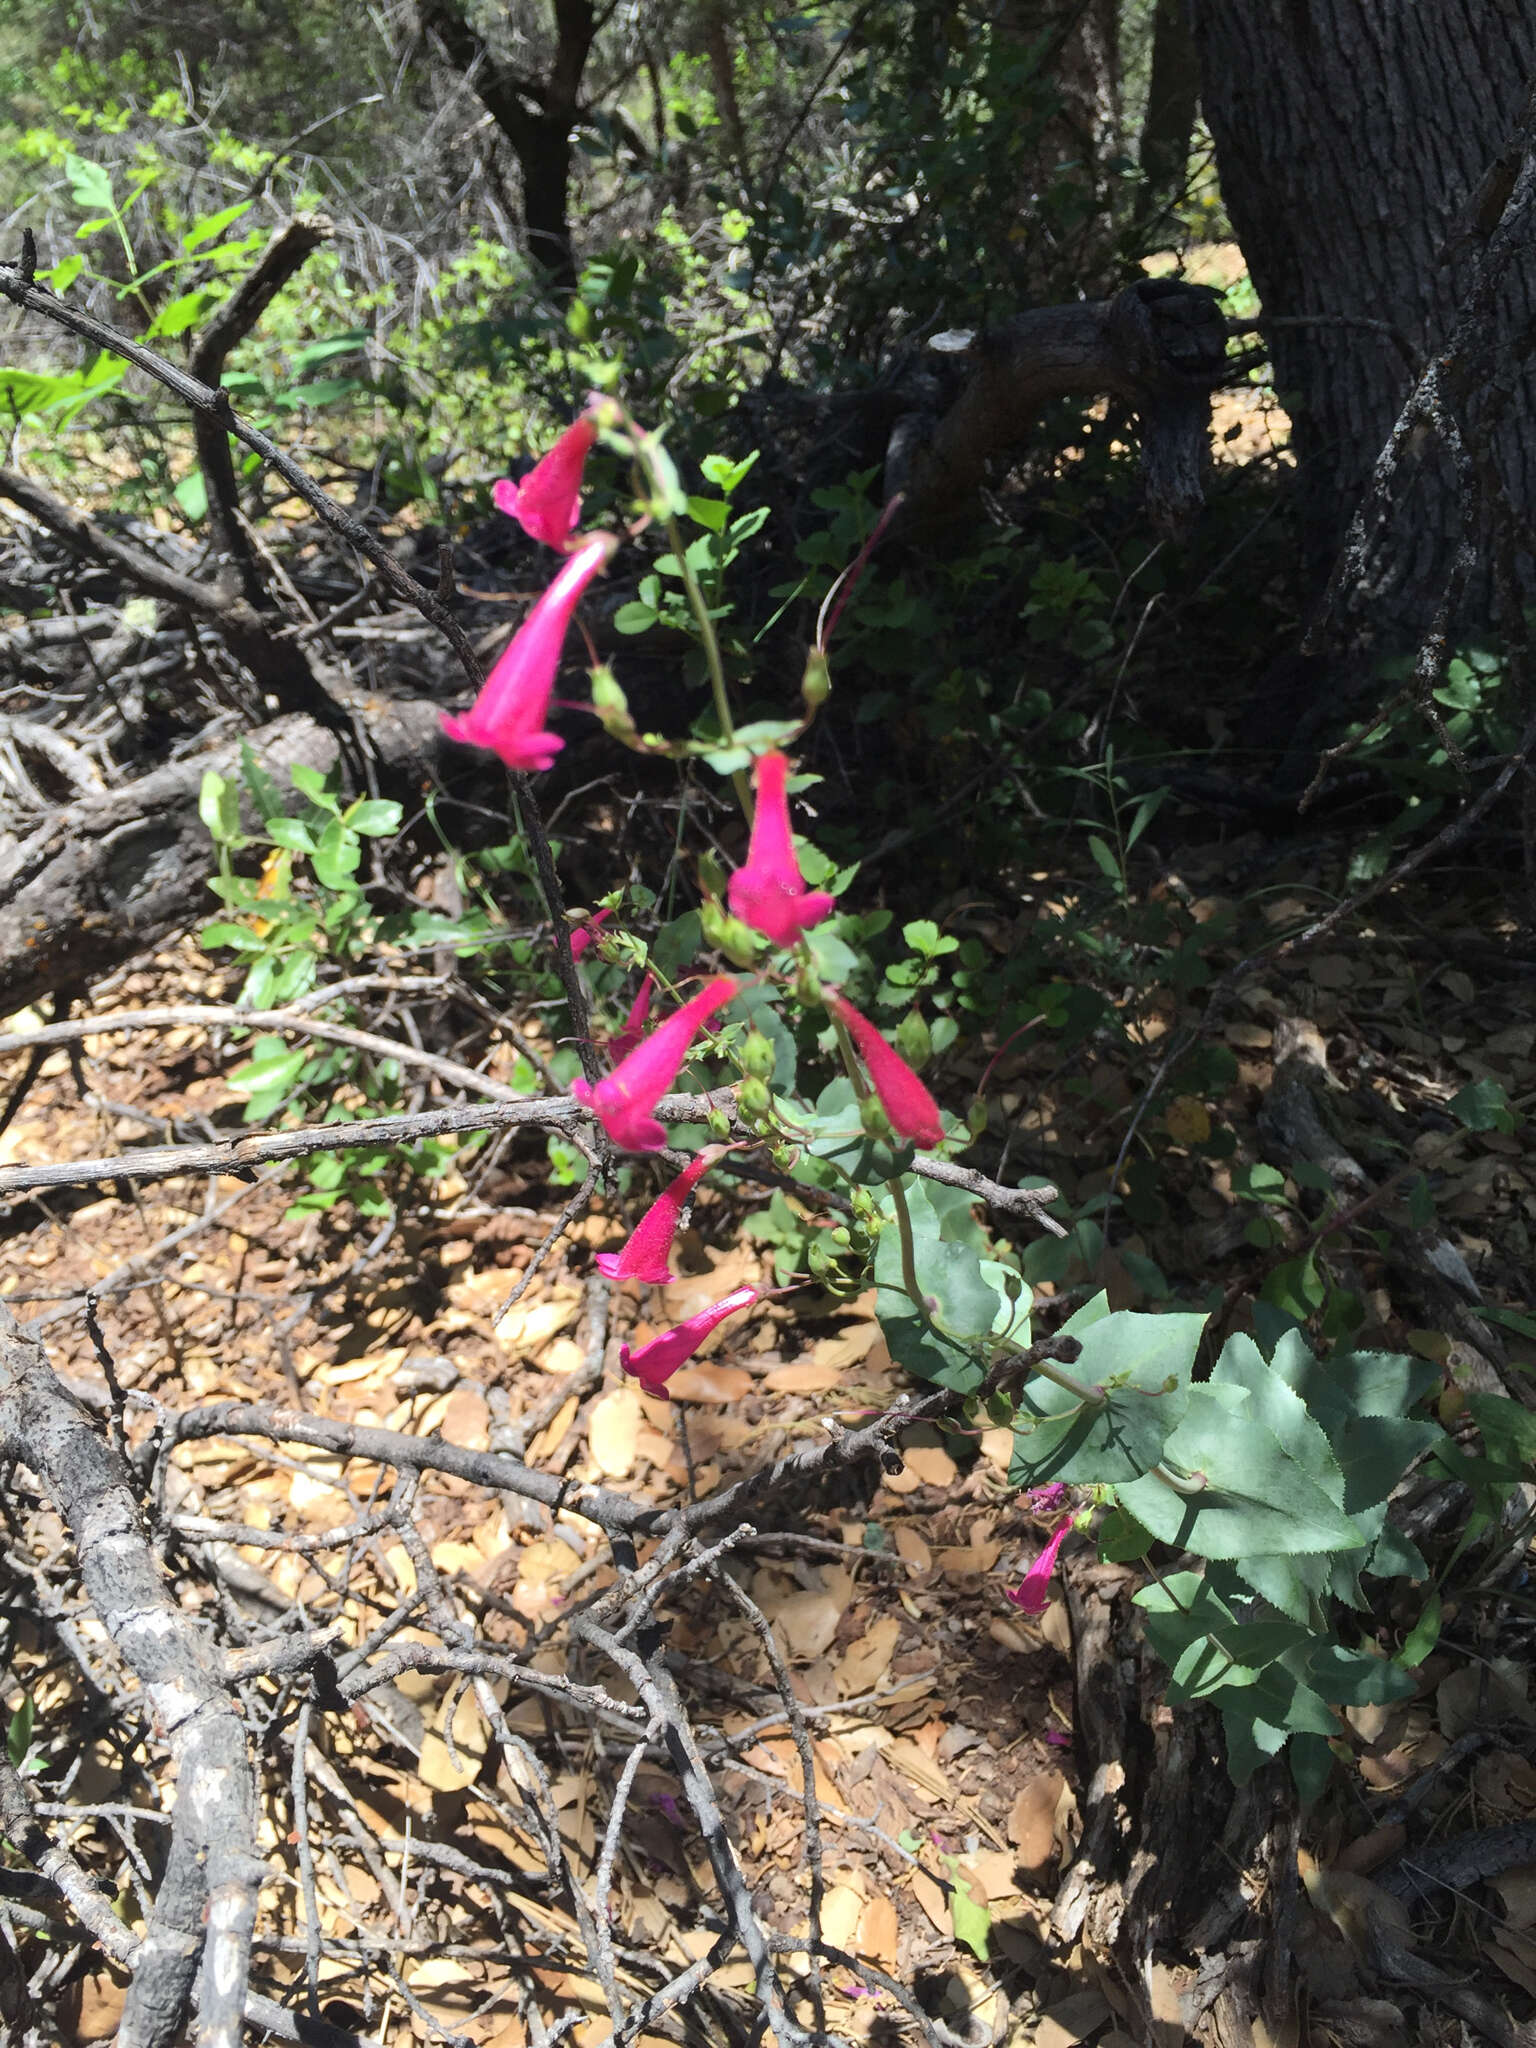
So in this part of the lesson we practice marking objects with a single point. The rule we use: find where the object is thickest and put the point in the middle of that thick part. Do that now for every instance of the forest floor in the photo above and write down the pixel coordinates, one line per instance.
(943, 1722)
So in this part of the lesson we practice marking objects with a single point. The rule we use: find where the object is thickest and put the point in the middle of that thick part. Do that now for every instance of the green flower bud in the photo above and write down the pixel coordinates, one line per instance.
(912, 1040)
(733, 938)
(719, 1123)
(976, 1117)
(874, 1119)
(753, 1099)
(816, 683)
(807, 986)
(757, 1055)
(785, 1157)
(712, 877)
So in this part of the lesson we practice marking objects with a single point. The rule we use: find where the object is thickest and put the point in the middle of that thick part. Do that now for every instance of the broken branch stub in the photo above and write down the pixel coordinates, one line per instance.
(1159, 346)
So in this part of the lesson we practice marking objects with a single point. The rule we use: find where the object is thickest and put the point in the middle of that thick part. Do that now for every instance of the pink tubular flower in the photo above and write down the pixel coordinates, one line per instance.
(623, 1042)
(625, 1099)
(587, 934)
(912, 1110)
(1033, 1594)
(645, 1256)
(654, 1363)
(547, 501)
(769, 893)
(509, 713)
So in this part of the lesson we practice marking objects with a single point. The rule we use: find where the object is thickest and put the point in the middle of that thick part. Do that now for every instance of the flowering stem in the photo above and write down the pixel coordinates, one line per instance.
(716, 666)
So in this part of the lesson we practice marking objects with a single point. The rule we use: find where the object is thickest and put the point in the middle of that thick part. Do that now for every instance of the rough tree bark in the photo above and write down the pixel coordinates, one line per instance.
(1353, 137)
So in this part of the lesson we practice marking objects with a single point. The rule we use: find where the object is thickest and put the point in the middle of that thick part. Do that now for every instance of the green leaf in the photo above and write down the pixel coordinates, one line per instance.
(1104, 858)
(1482, 1106)
(972, 1923)
(1254, 1499)
(18, 1737)
(841, 1138)
(1274, 1404)
(724, 474)
(90, 186)
(1352, 1382)
(274, 1068)
(219, 808)
(1354, 1678)
(1144, 1362)
(950, 1278)
(213, 225)
(375, 817)
(709, 512)
(635, 618)
(316, 785)
(191, 494)
(292, 833)
(263, 789)
(1424, 1634)
(239, 936)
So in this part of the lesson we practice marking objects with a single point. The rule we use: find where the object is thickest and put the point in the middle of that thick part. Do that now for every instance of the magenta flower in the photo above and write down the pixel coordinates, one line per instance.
(547, 501)
(1033, 1594)
(1047, 1499)
(769, 893)
(654, 1363)
(508, 715)
(624, 1041)
(623, 1101)
(586, 935)
(912, 1110)
(645, 1256)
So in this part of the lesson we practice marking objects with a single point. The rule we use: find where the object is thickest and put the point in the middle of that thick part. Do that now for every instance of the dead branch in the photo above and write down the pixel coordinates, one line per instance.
(1159, 346)
(212, 1868)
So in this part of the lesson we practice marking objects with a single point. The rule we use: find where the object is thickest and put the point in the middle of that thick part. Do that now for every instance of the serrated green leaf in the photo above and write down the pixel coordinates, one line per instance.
(1275, 1405)
(1255, 1499)
(1354, 1678)
(1059, 1437)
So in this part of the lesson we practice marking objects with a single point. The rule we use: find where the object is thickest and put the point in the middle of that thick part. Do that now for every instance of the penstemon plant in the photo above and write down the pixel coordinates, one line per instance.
(1254, 1495)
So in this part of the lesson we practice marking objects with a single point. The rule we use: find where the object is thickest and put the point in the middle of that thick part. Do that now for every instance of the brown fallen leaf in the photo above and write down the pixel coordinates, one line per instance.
(1032, 1819)
(879, 1930)
(911, 1547)
(613, 1428)
(865, 1662)
(718, 1383)
(802, 1376)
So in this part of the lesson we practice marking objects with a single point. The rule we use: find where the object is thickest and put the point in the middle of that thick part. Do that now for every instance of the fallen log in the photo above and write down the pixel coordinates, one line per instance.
(116, 871)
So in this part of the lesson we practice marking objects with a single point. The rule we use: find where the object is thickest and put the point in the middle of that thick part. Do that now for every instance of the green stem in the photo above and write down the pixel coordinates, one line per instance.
(716, 666)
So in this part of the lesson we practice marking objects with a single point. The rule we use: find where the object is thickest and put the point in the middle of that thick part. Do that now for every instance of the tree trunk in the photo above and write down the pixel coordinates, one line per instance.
(1351, 136)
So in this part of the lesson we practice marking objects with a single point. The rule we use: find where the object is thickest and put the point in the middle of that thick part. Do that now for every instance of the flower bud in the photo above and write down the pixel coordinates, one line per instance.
(753, 1099)
(728, 933)
(976, 1117)
(757, 1055)
(816, 683)
(912, 1040)
(719, 1123)
(712, 877)
(807, 986)
(874, 1119)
